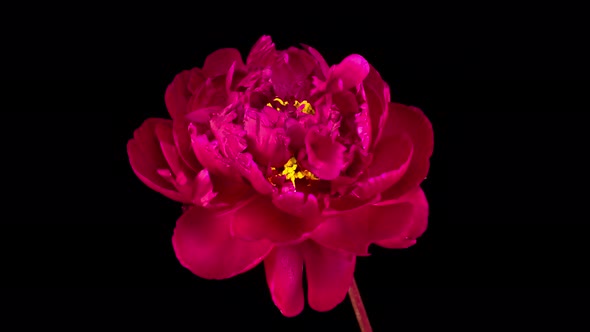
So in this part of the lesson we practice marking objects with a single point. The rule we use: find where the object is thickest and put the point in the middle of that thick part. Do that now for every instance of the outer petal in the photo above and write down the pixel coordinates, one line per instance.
(320, 60)
(178, 95)
(391, 160)
(219, 62)
(146, 158)
(298, 204)
(260, 219)
(355, 230)
(262, 54)
(412, 122)
(329, 275)
(351, 71)
(203, 245)
(182, 140)
(378, 96)
(170, 151)
(284, 270)
(417, 225)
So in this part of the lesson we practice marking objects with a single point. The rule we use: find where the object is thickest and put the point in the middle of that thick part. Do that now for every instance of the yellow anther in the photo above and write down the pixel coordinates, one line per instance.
(280, 101)
(307, 109)
(291, 173)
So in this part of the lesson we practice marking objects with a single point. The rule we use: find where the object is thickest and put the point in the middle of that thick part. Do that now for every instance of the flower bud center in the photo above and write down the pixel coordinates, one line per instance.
(302, 106)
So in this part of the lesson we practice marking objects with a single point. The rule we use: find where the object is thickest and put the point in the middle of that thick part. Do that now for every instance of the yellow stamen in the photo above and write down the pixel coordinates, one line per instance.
(303, 106)
(291, 173)
(307, 109)
(280, 101)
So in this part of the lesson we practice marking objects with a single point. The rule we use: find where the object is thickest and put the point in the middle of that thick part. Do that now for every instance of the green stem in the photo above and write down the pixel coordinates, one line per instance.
(359, 308)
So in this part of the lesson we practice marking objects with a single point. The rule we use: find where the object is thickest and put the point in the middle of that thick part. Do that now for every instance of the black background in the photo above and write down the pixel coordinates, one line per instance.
(84, 244)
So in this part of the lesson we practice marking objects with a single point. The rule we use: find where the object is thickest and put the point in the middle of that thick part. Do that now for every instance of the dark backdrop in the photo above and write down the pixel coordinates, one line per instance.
(85, 244)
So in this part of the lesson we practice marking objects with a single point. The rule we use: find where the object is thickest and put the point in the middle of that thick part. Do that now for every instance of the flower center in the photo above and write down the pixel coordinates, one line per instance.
(291, 173)
(303, 106)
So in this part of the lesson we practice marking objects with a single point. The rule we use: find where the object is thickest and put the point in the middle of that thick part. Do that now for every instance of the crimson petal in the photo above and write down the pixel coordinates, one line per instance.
(146, 158)
(354, 230)
(260, 219)
(412, 122)
(416, 225)
(284, 270)
(204, 245)
(391, 160)
(351, 71)
(325, 156)
(177, 95)
(329, 275)
(219, 62)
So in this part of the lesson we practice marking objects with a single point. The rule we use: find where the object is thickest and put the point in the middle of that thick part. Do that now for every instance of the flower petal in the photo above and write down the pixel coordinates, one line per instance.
(146, 158)
(177, 95)
(284, 271)
(250, 171)
(412, 122)
(219, 62)
(298, 204)
(416, 225)
(268, 145)
(325, 156)
(354, 230)
(346, 102)
(391, 160)
(323, 65)
(378, 96)
(203, 115)
(351, 72)
(170, 151)
(260, 219)
(262, 53)
(329, 275)
(208, 154)
(204, 245)
(182, 140)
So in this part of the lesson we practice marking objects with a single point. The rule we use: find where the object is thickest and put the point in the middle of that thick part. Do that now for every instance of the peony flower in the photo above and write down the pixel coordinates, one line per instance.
(286, 160)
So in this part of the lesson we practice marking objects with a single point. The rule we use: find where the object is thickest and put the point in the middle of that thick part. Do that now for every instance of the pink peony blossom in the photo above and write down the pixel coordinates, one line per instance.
(287, 160)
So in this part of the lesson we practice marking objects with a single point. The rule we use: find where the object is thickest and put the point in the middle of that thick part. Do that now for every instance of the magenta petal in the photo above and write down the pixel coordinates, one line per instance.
(378, 96)
(177, 95)
(298, 204)
(260, 219)
(182, 140)
(262, 53)
(346, 102)
(354, 230)
(351, 71)
(146, 158)
(348, 230)
(391, 160)
(203, 115)
(208, 154)
(250, 171)
(410, 121)
(219, 62)
(203, 245)
(329, 275)
(319, 59)
(416, 224)
(284, 270)
(268, 145)
(301, 62)
(325, 156)
(170, 151)
(203, 191)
